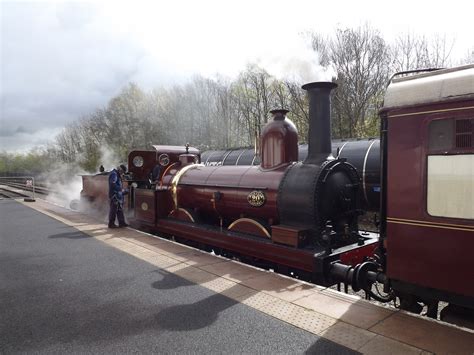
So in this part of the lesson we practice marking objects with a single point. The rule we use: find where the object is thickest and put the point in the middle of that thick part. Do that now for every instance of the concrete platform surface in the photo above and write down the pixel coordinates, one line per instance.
(68, 290)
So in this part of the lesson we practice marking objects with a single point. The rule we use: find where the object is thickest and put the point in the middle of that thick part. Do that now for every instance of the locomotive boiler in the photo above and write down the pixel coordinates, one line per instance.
(363, 154)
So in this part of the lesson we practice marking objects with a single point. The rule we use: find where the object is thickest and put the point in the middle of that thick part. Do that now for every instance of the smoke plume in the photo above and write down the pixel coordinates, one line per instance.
(298, 63)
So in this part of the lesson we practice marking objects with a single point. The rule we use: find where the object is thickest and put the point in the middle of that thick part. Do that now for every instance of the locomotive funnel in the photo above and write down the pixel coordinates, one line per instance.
(319, 137)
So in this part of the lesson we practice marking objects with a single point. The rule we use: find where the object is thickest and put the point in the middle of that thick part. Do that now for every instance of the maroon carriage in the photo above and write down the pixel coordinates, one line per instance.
(429, 154)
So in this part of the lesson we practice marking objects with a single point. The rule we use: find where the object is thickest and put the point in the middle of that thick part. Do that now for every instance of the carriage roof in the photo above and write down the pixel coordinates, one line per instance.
(434, 86)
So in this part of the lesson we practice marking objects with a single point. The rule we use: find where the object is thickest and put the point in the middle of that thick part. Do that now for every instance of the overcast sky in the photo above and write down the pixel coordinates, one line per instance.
(61, 60)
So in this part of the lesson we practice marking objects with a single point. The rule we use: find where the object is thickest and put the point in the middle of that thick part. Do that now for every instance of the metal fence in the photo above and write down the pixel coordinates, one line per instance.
(21, 186)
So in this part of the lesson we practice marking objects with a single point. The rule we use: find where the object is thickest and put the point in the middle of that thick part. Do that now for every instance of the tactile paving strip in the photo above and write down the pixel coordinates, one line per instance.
(309, 320)
(176, 267)
(348, 335)
(258, 301)
(158, 260)
(218, 285)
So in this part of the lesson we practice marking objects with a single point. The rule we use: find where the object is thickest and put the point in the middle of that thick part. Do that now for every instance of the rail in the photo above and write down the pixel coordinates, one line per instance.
(18, 184)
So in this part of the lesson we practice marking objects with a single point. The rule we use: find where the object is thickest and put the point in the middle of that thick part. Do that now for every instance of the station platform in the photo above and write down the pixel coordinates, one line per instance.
(197, 302)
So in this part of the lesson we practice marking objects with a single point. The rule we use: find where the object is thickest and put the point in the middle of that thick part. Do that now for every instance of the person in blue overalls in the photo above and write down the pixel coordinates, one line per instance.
(116, 192)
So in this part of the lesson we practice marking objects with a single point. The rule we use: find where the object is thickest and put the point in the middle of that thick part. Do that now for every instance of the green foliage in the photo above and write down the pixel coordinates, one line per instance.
(32, 163)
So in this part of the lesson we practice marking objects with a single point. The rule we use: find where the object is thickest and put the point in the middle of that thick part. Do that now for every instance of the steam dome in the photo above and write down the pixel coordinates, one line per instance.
(279, 142)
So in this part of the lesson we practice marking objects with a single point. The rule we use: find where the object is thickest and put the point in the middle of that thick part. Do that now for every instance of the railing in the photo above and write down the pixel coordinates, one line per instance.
(20, 183)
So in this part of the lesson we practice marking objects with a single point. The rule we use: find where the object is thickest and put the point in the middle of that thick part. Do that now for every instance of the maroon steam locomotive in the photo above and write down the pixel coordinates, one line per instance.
(301, 217)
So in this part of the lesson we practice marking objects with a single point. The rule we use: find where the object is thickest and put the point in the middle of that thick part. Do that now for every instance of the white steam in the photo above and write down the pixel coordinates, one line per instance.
(65, 192)
(109, 158)
(299, 63)
(65, 181)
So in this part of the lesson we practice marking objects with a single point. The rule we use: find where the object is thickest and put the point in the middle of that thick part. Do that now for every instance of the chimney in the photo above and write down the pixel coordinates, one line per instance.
(319, 145)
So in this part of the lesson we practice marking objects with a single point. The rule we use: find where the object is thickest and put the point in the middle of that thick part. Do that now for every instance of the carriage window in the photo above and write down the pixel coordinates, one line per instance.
(447, 135)
(465, 133)
(441, 135)
(451, 186)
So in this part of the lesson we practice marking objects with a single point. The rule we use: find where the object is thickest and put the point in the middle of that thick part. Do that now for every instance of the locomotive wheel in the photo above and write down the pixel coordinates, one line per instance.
(217, 251)
(409, 303)
(433, 309)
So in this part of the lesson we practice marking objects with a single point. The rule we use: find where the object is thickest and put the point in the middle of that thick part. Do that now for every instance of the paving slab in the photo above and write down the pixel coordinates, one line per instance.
(352, 311)
(426, 334)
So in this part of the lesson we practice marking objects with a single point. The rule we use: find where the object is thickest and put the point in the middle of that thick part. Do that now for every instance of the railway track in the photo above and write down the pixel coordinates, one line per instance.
(38, 188)
(9, 192)
(14, 188)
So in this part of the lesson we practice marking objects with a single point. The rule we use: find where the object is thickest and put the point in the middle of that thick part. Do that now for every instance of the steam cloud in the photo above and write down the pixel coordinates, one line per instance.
(66, 183)
(109, 158)
(298, 63)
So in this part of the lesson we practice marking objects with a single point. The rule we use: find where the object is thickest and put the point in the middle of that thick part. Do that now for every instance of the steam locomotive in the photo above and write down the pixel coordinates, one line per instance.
(300, 216)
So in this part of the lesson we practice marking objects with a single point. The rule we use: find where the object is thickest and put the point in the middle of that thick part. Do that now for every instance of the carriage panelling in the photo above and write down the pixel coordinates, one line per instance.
(427, 250)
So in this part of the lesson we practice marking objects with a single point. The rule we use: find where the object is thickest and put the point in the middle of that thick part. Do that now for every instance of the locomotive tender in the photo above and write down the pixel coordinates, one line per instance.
(301, 217)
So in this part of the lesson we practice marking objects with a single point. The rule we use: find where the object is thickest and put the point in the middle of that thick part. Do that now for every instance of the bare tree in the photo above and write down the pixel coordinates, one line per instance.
(298, 106)
(252, 92)
(219, 113)
(360, 57)
(68, 143)
(469, 57)
(411, 52)
(321, 44)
